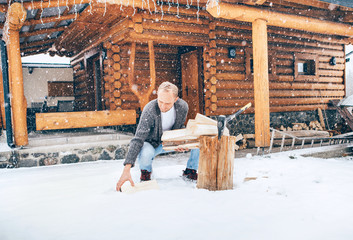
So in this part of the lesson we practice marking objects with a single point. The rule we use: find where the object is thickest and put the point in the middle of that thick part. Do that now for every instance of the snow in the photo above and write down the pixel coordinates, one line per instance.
(293, 197)
(45, 58)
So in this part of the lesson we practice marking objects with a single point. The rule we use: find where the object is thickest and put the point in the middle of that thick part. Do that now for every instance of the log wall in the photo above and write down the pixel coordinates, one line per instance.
(234, 87)
(80, 85)
(228, 81)
(118, 92)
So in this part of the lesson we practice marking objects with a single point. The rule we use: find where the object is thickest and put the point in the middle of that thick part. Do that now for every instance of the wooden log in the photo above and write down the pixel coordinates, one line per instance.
(321, 117)
(230, 76)
(15, 17)
(170, 38)
(115, 48)
(174, 18)
(294, 34)
(216, 163)
(261, 84)
(65, 120)
(175, 27)
(249, 14)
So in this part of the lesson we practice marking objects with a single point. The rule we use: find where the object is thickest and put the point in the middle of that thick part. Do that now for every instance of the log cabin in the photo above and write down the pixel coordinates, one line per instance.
(286, 57)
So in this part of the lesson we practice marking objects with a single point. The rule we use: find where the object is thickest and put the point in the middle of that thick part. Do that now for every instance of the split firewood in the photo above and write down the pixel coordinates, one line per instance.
(185, 146)
(188, 137)
(315, 125)
(142, 186)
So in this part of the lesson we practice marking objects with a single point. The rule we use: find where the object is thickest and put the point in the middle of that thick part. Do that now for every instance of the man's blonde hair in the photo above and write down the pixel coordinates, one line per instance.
(168, 86)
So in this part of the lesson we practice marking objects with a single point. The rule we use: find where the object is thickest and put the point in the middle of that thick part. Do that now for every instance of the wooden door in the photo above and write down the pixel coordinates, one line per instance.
(190, 82)
(94, 88)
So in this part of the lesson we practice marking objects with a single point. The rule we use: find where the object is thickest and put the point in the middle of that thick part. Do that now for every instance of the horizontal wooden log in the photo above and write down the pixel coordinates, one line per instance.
(230, 76)
(249, 14)
(175, 27)
(328, 66)
(65, 120)
(283, 85)
(173, 18)
(169, 38)
(143, 56)
(276, 101)
(294, 108)
(299, 49)
(237, 94)
(221, 23)
(222, 59)
(326, 59)
(160, 64)
(331, 73)
(236, 68)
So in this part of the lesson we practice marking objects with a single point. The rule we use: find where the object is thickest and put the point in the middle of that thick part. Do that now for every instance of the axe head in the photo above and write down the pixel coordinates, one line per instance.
(221, 122)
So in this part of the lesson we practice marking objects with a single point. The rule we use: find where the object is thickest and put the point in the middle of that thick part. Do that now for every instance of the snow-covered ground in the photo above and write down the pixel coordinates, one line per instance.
(293, 197)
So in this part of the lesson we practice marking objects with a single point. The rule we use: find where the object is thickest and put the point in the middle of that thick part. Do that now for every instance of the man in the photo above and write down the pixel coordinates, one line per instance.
(167, 112)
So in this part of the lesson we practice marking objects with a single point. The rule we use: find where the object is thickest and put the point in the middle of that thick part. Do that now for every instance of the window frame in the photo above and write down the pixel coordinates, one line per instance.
(302, 57)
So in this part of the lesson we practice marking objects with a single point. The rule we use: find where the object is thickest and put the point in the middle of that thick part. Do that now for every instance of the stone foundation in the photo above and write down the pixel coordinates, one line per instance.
(53, 155)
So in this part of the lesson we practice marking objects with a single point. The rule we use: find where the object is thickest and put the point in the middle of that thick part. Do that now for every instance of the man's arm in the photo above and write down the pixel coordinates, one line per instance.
(142, 132)
(125, 176)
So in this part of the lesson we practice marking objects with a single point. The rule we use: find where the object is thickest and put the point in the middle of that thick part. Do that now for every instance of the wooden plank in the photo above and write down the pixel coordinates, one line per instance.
(65, 120)
(142, 186)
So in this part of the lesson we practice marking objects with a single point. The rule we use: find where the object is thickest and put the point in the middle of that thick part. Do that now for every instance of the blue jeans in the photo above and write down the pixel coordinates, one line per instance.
(148, 153)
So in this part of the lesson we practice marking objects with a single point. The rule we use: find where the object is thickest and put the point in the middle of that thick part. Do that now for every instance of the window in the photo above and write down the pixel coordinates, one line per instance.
(305, 66)
(249, 64)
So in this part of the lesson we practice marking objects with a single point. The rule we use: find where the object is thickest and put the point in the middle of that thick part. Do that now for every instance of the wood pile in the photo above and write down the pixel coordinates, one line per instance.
(313, 125)
(189, 137)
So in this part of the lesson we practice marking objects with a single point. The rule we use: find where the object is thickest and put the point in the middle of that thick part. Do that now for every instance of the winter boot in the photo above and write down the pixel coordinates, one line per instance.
(190, 174)
(145, 175)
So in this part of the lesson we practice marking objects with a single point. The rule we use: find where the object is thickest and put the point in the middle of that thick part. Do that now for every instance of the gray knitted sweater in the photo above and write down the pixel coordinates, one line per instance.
(149, 128)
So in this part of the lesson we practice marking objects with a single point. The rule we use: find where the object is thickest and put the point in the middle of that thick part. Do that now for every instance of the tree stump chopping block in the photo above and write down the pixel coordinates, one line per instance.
(216, 163)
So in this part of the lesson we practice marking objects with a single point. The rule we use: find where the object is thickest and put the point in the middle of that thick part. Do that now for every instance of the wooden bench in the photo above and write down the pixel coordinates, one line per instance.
(65, 120)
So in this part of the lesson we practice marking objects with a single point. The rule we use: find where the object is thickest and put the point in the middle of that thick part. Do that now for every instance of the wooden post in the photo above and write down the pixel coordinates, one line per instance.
(142, 95)
(14, 21)
(2, 101)
(216, 163)
(261, 84)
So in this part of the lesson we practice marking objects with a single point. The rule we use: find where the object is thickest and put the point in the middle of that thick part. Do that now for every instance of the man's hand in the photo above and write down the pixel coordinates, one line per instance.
(125, 176)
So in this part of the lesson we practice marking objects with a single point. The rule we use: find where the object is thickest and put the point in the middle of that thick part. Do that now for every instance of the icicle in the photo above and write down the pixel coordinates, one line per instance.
(198, 9)
(162, 10)
(187, 4)
(59, 11)
(41, 12)
(90, 7)
(121, 5)
(32, 10)
(177, 9)
(169, 5)
(133, 5)
(105, 7)
(75, 7)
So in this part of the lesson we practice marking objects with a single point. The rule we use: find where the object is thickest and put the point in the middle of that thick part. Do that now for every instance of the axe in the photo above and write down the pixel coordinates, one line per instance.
(222, 120)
